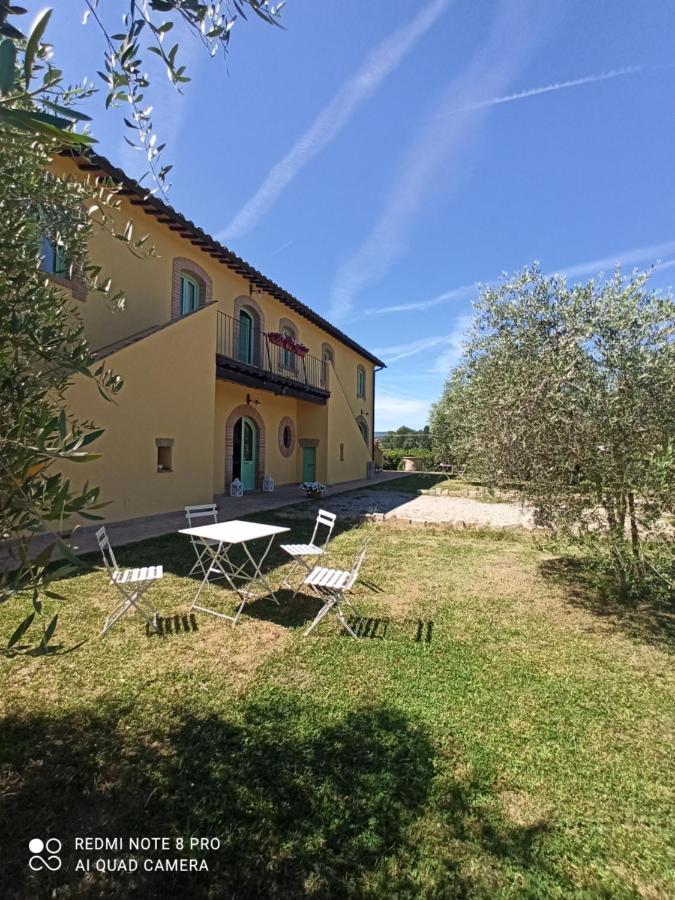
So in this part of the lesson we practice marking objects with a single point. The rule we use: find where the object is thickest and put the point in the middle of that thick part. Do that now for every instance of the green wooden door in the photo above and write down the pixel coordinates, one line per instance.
(248, 453)
(309, 463)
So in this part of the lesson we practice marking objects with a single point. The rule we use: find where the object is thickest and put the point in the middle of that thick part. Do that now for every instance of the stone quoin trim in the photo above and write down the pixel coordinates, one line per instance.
(181, 264)
(286, 422)
(251, 413)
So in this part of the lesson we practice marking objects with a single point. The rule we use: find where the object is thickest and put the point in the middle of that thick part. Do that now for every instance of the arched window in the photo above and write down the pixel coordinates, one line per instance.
(328, 359)
(191, 287)
(189, 294)
(287, 358)
(361, 382)
(53, 258)
(363, 428)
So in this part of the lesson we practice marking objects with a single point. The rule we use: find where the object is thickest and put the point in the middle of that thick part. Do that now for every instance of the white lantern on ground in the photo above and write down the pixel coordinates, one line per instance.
(236, 488)
(268, 484)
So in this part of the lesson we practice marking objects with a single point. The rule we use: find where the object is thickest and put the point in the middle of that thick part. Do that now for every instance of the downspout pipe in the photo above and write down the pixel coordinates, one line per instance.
(372, 415)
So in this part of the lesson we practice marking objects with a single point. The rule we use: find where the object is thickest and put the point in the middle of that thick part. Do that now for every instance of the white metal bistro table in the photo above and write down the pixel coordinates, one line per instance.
(218, 540)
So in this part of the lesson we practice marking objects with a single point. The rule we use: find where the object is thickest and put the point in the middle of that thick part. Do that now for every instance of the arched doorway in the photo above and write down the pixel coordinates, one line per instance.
(245, 450)
(233, 456)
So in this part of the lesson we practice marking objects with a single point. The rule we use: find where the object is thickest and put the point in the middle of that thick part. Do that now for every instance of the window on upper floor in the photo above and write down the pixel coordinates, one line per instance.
(189, 294)
(53, 258)
(328, 360)
(363, 428)
(288, 357)
(361, 382)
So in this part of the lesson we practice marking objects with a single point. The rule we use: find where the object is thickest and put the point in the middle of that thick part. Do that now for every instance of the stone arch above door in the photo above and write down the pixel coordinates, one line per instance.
(251, 413)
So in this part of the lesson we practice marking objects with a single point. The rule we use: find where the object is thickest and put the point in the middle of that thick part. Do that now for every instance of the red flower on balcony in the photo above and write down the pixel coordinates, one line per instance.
(288, 343)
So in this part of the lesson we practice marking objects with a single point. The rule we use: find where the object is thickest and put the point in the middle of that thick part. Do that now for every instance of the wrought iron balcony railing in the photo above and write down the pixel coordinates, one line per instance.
(240, 342)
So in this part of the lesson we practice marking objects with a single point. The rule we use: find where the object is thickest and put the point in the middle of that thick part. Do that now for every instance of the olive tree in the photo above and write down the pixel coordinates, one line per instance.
(42, 341)
(569, 391)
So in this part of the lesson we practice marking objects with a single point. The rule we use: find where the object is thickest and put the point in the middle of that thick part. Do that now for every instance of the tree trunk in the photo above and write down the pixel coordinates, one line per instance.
(634, 533)
(616, 531)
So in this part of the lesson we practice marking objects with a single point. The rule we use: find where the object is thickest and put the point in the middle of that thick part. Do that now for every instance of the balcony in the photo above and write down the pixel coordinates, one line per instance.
(248, 356)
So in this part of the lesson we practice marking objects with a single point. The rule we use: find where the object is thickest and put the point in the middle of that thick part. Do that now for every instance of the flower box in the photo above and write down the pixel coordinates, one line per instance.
(287, 343)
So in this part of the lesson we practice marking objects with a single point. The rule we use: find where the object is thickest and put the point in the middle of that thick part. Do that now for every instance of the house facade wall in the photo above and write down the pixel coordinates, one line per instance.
(161, 401)
(166, 377)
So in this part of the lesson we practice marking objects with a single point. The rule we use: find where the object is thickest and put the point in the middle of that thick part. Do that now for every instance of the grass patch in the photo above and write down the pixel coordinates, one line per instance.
(520, 746)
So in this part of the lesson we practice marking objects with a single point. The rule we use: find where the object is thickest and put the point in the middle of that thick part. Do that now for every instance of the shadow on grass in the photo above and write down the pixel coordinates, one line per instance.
(301, 803)
(647, 621)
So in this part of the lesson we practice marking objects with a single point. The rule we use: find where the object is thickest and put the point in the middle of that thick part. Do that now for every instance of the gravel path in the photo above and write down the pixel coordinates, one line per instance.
(463, 509)
(425, 508)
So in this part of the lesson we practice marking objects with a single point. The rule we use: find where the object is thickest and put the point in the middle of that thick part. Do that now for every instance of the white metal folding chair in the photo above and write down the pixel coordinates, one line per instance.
(202, 514)
(332, 585)
(131, 583)
(303, 555)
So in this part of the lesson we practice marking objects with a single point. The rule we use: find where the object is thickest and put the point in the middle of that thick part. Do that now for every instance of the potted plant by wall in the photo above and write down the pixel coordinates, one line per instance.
(313, 489)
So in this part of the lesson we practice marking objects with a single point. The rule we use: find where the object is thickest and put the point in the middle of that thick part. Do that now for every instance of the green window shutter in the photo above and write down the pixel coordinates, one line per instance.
(52, 257)
(189, 295)
(361, 384)
(60, 261)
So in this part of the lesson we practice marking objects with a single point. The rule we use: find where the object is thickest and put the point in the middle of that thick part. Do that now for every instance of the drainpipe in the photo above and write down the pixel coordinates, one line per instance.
(372, 419)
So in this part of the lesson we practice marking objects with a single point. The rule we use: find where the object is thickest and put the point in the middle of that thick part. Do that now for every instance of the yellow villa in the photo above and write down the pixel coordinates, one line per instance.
(226, 375)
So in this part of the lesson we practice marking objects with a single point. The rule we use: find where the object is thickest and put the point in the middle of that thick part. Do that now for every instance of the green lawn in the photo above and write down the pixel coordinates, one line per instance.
(498, 732)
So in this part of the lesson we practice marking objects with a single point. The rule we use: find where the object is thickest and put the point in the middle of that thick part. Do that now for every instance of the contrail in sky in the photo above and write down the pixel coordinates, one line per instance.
(557, 86)
(377, 66)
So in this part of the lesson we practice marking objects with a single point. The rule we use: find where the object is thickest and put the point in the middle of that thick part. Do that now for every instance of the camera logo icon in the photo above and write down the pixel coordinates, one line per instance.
(45, 854)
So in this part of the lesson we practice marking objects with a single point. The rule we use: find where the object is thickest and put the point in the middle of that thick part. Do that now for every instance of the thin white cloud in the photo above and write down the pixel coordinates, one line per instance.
(668, 264)
(169, 108)
(453, 352)
(401, 351)
(391, 410)
(558, 86)
(436, 153)
(454, 294)
(378, 65)
(650, 255)
(284, 246)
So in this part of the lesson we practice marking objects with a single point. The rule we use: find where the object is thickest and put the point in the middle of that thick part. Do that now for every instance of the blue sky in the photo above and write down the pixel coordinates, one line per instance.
(372, 157)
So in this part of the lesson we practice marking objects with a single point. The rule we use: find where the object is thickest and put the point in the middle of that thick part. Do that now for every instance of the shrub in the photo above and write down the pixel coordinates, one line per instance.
(393, 459)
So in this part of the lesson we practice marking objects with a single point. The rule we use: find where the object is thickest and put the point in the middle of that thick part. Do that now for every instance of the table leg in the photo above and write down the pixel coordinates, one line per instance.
(257, 574)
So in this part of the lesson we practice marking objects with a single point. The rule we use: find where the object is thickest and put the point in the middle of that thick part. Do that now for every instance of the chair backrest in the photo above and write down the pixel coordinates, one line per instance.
(200, 512)
(107, 551)
(358, 562)
(324, 518)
